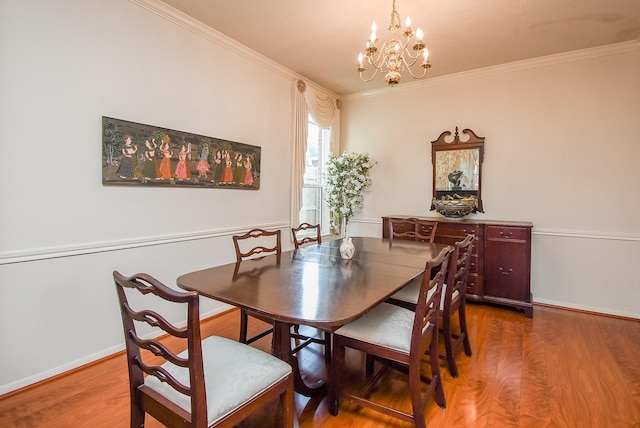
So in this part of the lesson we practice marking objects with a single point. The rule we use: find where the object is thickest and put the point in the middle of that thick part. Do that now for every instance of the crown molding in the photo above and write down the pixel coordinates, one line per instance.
(187, 22)
(179, 18)
(545, 61)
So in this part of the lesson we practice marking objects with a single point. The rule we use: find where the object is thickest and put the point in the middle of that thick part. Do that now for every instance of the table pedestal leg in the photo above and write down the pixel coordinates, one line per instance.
(282, 350)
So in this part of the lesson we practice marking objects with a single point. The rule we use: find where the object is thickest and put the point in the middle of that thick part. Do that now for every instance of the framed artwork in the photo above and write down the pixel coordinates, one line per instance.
(135, 154)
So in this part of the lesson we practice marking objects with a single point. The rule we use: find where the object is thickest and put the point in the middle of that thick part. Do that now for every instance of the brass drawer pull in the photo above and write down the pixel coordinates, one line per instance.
(505, 271)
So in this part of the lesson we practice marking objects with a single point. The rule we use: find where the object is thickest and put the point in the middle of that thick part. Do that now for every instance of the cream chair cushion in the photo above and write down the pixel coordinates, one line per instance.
(386, 325)
(234, 373)
(409, 293)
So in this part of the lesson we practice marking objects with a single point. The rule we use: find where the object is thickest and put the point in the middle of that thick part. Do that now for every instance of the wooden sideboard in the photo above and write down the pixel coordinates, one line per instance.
(500, 269)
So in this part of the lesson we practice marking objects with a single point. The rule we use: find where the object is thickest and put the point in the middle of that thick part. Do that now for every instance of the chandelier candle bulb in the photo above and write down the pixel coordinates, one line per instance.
(360, 66)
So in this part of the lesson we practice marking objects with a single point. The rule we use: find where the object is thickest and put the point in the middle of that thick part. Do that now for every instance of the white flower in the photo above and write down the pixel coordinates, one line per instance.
(347, 180)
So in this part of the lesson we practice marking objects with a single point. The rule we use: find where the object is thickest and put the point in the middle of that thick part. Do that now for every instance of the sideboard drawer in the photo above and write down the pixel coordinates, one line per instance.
(507, 233)
(458, 230)
(475, 290)
(475, 265)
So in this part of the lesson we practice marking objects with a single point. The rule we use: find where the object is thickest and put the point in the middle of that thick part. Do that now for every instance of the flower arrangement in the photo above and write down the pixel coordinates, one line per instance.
(347, 180)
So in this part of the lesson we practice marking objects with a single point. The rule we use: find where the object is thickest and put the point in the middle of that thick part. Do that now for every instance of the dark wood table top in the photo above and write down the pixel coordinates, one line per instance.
(314, 285)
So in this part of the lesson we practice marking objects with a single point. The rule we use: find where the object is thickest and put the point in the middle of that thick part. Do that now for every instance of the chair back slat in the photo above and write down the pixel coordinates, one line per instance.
(412, 229)
(164, 376)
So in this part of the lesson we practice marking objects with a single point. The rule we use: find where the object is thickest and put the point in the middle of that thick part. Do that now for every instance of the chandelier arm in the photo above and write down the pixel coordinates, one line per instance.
(415, 59)
(372, 76)
(424, 73)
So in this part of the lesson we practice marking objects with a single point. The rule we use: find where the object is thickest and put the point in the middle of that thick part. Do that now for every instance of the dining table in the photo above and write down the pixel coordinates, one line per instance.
(314, 286)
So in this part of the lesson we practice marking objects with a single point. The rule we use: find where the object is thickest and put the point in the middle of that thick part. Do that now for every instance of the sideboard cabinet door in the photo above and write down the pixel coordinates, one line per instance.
(508, 260)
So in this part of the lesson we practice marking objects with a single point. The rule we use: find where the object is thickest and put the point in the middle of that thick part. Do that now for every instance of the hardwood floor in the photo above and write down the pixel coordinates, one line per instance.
(559, 369)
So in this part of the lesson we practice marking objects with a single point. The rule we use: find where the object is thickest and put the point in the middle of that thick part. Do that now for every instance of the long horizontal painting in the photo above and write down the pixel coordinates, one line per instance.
(146, 155)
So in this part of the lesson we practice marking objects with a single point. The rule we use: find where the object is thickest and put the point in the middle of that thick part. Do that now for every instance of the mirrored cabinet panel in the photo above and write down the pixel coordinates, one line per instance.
(457, 170)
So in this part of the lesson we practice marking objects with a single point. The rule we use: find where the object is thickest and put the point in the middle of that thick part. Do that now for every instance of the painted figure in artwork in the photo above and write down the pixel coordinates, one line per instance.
(203, 163)
(216, 166)
(227, 171)
(165, 165)
(248, 171)
(150, 168)
(126, 170)
(238, 169)
(182, 170)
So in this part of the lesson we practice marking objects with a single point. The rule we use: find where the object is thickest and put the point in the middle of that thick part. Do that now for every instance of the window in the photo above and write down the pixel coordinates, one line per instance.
(314, 209)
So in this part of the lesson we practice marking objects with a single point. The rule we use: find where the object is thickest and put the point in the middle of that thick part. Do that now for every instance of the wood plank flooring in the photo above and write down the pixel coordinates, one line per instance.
(559, 369)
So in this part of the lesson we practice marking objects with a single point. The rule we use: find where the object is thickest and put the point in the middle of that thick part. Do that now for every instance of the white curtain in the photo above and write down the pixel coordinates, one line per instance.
(324, 110)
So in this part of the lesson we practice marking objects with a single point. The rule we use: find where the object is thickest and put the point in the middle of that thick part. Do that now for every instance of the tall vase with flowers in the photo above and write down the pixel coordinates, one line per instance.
(348, 177)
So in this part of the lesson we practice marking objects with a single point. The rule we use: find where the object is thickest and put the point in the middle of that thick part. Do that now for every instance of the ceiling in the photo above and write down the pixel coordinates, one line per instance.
(320, 39)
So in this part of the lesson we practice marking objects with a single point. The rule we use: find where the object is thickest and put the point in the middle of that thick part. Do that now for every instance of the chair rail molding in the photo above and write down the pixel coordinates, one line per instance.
(101, 247)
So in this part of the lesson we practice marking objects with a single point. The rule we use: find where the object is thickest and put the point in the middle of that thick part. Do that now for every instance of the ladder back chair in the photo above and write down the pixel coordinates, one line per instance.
(301, 236)
(454, 294)
(454, 300)
(268, 242)
(412, 229)
(398, 337)
(215, 382)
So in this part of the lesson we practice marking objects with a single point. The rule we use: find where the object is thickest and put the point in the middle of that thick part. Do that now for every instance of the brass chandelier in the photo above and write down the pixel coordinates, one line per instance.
(394, 56)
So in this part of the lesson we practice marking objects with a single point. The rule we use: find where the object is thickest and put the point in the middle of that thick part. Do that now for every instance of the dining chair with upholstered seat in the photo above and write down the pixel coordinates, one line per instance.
(399, 338)
(259, 242)
(306, 233)
(412, 229)
(454, 296)
(269, 243)
(215, 382)
(301, 236)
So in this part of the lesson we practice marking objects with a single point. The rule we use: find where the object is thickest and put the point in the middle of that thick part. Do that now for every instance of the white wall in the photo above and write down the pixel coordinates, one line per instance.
(561, 151)
(64, 65)
(557, 130)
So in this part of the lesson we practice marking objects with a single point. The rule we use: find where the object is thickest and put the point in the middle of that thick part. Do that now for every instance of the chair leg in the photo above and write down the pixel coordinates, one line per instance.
(448, 345)
(435, 373)
(287, 405)
(137, 415)
(462, 315)
(337, 360)
(415, 390)
(327, 347)
(369, 361)
(244, 321)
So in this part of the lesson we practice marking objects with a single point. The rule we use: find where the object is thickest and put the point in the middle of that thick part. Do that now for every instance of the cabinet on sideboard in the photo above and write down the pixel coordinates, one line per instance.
(500, 270)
